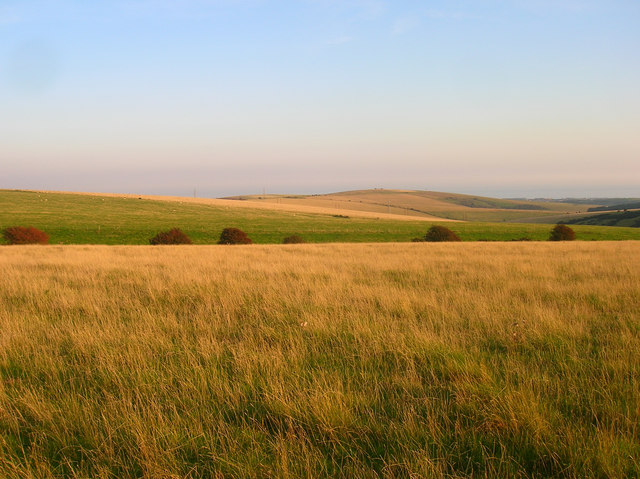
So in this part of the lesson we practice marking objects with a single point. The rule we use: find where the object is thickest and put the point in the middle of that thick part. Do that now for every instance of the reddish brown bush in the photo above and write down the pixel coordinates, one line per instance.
(440, 233)
(234, 236)
(173, 236)
(293, 239)
(562, 233)
(25, 235)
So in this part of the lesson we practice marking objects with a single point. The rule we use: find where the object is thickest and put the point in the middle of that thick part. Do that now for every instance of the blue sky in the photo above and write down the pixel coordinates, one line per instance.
(496, 97)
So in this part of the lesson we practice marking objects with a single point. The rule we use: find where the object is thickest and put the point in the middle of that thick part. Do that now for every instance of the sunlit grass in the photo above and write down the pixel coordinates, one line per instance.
(396, 360)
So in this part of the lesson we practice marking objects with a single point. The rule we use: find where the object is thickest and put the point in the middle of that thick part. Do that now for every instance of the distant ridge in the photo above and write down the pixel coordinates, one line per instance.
(628, 218)
(422, 203)
(618, 207)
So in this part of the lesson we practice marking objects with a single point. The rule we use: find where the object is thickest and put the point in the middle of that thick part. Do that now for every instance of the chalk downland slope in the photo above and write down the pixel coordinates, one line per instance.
(263, 203)
(423, 204)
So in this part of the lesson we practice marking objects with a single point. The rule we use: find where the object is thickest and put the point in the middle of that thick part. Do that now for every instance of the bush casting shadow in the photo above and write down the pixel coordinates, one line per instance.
(439, 233)
(562, 233)
(234, 236)
(173, 236)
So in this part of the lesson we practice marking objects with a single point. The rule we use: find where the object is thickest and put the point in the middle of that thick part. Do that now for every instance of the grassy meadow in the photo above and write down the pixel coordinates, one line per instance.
(309, 361)
(112, 220)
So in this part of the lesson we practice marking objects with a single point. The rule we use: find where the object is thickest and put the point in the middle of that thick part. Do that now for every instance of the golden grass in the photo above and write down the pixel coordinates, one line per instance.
(359, 360)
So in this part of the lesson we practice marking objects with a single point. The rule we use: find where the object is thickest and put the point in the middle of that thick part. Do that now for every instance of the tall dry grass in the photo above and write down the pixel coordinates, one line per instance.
(387, 360)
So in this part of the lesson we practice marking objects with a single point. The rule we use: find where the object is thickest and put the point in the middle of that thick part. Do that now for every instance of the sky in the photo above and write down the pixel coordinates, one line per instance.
(510, 98)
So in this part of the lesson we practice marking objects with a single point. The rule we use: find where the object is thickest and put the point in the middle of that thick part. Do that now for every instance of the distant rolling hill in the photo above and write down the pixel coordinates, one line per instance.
(617, 218)
(609, 202)
(618, 207)
(415, 203)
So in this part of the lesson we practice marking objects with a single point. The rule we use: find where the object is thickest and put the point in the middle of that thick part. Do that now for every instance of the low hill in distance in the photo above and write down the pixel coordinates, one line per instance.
(417, 204)
(618, 207)
(609, 202)
(617, 218)
(71, 218)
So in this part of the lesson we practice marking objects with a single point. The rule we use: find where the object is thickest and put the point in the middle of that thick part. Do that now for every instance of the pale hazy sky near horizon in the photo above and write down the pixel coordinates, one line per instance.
(495, 97)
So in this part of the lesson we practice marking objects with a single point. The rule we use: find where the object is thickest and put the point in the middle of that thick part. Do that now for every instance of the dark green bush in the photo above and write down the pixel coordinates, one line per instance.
(562, 232)
(293, 239)
(440, 233)
(234, 236)
(173, 236)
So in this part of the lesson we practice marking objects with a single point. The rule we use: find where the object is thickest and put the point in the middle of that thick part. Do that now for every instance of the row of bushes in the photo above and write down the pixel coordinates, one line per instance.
(18, 235)
(29, 235)
(228, 236)
(560, 232)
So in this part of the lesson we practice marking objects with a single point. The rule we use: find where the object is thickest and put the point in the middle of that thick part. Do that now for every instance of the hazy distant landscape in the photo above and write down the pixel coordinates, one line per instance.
(432, 204)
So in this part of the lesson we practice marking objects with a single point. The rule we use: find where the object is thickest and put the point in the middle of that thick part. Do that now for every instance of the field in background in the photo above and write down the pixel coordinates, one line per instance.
(628, 218)
(616, 218)
(437, 360)
(257, 204)
(419, 204)
(113, 219)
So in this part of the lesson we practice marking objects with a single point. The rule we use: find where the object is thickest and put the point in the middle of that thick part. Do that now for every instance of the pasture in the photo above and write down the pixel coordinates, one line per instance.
(336, 360)
(112, 219)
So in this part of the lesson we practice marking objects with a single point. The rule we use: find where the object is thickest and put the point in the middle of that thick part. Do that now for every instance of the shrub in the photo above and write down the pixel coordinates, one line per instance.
(293, 239)
(440, 233)
(173, 236)
(234, 236)
(25, 235)
(562, 233)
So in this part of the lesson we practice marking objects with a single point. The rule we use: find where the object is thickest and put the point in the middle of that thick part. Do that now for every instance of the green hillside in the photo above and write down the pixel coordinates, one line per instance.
(85, 219)
(622, 218)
